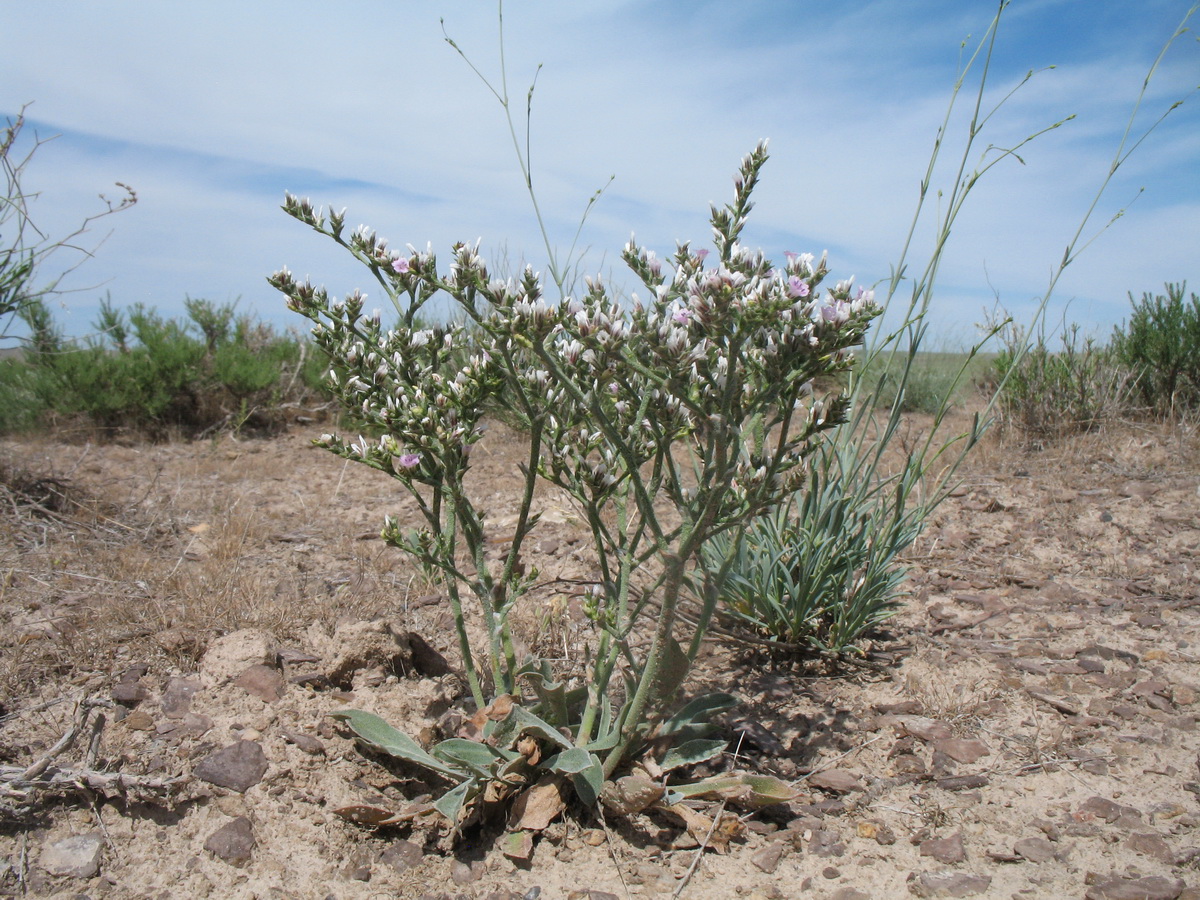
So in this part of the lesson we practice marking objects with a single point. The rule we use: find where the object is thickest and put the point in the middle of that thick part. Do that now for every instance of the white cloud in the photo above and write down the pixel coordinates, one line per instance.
(217, 108)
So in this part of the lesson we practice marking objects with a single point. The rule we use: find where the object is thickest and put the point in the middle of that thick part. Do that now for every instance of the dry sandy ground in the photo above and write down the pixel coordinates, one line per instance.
(1031, 733)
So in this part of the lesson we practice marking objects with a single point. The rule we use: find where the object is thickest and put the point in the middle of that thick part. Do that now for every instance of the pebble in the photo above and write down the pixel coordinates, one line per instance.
(233, 842)
(963, 751)
(402, 855)
(262, 682)
(1035, 850)
(767, 859)
(238, 767)
(947, 884)
(948, 850)
(1154, 887)
(1150, 844)
(77, 856)
(306, 742)
(177, 697)
(837, 781)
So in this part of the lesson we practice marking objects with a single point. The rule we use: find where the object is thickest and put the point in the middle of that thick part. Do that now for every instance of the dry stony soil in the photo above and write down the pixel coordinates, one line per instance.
(178, 620)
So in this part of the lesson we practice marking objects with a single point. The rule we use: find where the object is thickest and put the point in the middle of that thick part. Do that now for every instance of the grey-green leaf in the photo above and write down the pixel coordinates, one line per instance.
(479, 758)
(570, 761)
(698, 712)
(451, 803)
(378, 734)
(522, 721)
(691, 752)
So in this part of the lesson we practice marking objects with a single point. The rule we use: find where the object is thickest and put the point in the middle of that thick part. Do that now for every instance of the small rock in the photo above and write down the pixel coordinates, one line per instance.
(76, 857)
(767, 859)
(139, 720)
(962, 782)
(1101, 808)
(825, 843)
(402, 855)
(963, 751)
(465, 873)
(947, 884)
(230, 655)
(1151, 844)
(306, 742)
(1154, 887)
(948, 850)
(233, 842)
(925, 728)
(837, 781)
(1035, 850)
(263, 682)
(130, 693)
(238, 767)
(177, 697)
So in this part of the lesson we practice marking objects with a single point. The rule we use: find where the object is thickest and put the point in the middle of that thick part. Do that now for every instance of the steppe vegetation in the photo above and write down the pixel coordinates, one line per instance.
(719, 586)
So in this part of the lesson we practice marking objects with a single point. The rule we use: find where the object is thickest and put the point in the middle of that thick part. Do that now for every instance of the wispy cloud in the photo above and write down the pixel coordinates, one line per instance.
(212, 111)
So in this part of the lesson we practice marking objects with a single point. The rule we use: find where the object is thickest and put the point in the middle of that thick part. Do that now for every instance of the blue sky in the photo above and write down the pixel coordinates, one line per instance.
(212, 110)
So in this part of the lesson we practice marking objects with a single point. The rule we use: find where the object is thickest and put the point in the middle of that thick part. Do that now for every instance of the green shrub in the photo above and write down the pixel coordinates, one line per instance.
(1048, 394)
(1161, 348)
(157, 376)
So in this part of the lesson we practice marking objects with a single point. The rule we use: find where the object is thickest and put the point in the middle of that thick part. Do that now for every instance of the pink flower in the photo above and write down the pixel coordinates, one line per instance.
(409, 460)
(797, 287)
(400, 266)
(681, 316)
(701, 254)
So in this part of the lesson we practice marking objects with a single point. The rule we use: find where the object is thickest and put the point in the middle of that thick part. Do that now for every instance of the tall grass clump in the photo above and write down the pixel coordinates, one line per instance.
(1160, 347)
(822, 572)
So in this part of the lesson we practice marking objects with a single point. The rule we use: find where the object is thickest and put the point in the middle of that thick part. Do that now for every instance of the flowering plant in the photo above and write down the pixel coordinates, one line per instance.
(684, 416)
